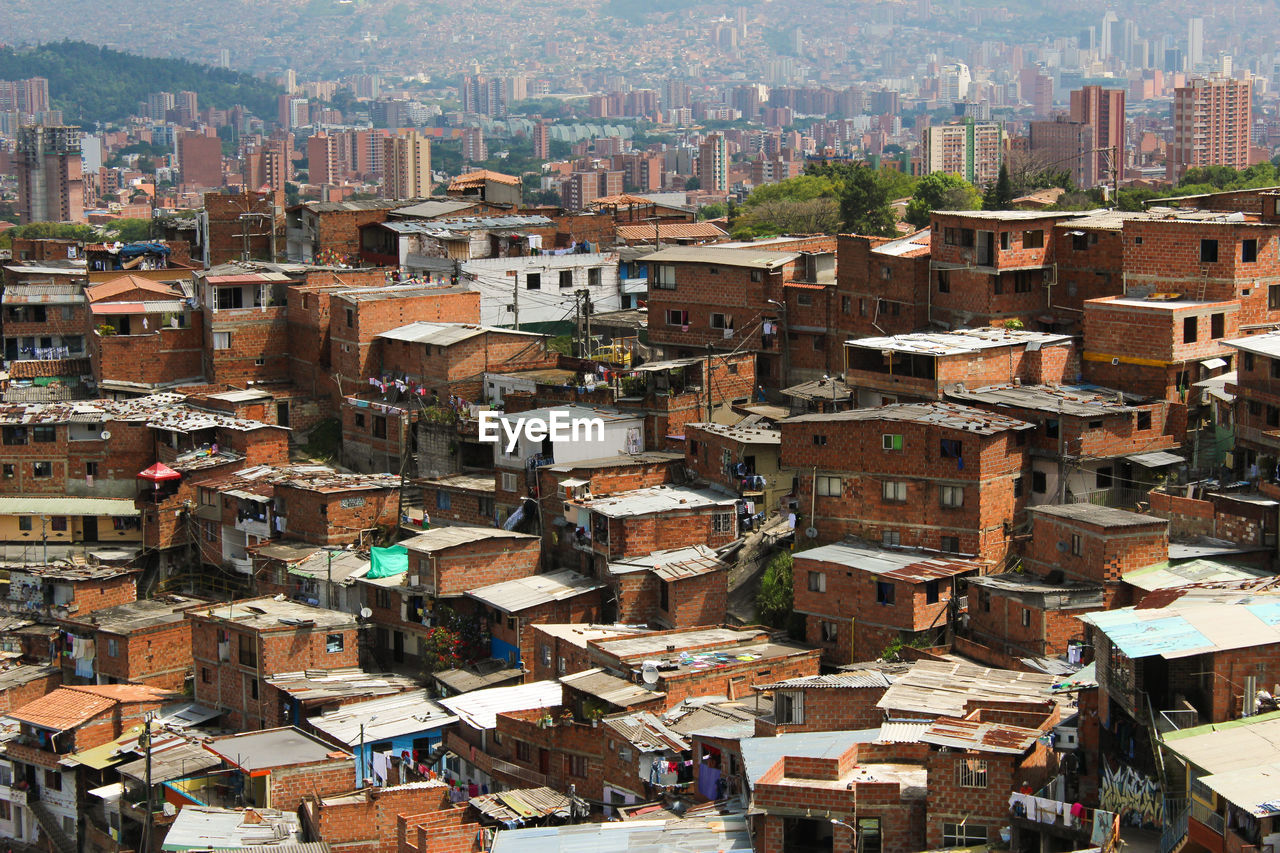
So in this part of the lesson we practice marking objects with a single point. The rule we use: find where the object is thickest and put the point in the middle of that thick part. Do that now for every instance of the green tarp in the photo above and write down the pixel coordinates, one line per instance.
(388, 562)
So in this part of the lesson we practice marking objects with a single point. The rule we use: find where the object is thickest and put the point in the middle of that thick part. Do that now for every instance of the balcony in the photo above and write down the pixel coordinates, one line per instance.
(254, 526)
(1207, 817)
(20, 796)
(1040, 814)
(515, 771)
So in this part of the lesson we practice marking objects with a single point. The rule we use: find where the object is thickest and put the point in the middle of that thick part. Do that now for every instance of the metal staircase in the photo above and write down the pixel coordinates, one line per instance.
(51, 828)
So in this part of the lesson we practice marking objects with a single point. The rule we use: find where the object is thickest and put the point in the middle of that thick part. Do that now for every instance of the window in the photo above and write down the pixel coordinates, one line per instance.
(359, 420)
(229, 297)
(41, 470)
(1017, 487)
(1190, 327)
(91, 469)
(950, 236)
(333, 643)
(113, 647)
(846, 304)
(944, 281)
(1248, 361)
(1273, 297)
(805, 299)
(1022, 282)
(58, 523)
(819, 343)
(8, 471)
(723, 522)
(1249, 251)
(1144, 420)
(963, 835)
(664, 277)
(508, 481)
(379, 426)
(891, 441)
(14, 435)
(1217, 325)
(949, 544)
(444, 500)
(1026, 618)
(1051, 428)
(351, 318)
(566, 278)
(721, 321)
(890, 538)
(546, 654)
(485, 507)
(562, 666)
(1273, 416)
(1004, 241)
(44, 434)
(677, 318)
(1033, 239)
(951, 496)
(971, 773)
(221, 340)
(1079, 241)
(757, 276)
(886, 593)
(578, 765)
(593, 277)
(248, 654)
(966, 238)
(817, 581)
(1102, 477)
(523, 751)
(1077, 545)
(950, 448)
(932, 591)
(53, 780)
(894, 491)
(205, 676)
(828, 487)
(830, 632)
(788, 708)
(819, 440)
(1208, 251)
(533, 281)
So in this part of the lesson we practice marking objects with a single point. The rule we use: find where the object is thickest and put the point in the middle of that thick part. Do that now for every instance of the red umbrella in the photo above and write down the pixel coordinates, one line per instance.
(158, 473)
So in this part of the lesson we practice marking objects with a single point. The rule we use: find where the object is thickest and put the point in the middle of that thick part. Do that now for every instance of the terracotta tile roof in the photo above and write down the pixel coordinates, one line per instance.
(126, 283)
(671, 231)
(62, 709)
(126, 692)
(471, 179)
(49, 367)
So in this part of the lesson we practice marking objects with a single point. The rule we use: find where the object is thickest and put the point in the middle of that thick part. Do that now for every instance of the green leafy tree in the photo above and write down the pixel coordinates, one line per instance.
(713, 211)
(694, 183)
(940, 191)
(775, 598)
(865, 203)
(129, 230)
(999, 195)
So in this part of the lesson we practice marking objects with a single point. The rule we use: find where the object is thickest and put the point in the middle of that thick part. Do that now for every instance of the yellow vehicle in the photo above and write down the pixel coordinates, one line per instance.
(614, 354)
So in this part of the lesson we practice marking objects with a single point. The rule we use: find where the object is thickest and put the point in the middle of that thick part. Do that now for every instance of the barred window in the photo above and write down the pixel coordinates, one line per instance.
(971, 773)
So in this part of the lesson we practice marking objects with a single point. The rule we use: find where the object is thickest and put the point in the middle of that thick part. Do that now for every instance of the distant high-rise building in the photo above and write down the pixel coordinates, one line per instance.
(159, 104)
(953, 83)
(50, 174)
(1212, 119)
(1107, 34)
(323, 160)
(224, 58)
(1103, 111)
(970, 149)
(542, 140)
(200, 160)
(713, 163)
(28, 96)
(406, 166)
(1065, 144)
(186, 105)
(473, 148)
(1195, 43)
(484, 95)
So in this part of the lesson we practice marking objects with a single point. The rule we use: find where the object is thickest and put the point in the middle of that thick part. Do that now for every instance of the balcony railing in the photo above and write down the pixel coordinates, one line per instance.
(1207, 817)
(506, 768)
(1175, 826)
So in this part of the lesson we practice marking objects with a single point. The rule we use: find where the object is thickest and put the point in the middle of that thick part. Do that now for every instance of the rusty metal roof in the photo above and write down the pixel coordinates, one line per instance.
(980, 736)
(907, 565)
(945, 415)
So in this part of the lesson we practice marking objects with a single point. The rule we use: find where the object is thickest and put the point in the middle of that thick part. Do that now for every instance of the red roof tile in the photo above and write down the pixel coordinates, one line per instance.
(126, 692)
(62, 709)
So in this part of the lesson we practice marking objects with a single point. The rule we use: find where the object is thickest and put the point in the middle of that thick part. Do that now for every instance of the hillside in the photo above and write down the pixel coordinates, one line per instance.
(96, 84)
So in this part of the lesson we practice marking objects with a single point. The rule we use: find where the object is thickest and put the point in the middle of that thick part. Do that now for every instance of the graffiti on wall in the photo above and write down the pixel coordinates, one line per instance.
(1135, 797)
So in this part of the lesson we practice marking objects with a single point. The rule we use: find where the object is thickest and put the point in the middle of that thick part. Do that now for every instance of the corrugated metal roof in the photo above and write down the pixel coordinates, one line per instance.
(1255, 789)
(960, 341)
(905, 565)
(902, 732)
(947, 415)
(942, 688)
(1086, 401)
(445, 334)
(721, 833)
(1156, 459)
(1102, 516)
(657, 499)
(522, 593)
(111, 507)
(845, 680)
(1227, 747)
(479, 709)
(980, 736)
(43, 294)
(720, 256)
(440, 538)
(523, 804)
(455, 227)
(612, 689)
(646, 732)
(1189, 625)
(384, 718)
(159, 306)
(178, 762)
(209, 828)
(1167, 575)
(761, 753)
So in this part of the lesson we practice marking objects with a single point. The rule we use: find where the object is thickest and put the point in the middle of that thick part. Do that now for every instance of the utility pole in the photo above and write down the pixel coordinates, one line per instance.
(1062, 459)
(145, 742)
(586, 320)
(709, 411)
(515, 305)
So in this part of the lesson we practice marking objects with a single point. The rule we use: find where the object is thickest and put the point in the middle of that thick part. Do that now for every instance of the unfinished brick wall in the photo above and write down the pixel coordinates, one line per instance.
(290, 785)
(1106, 552)
(159, 656)
(454, 570)
(368, 825)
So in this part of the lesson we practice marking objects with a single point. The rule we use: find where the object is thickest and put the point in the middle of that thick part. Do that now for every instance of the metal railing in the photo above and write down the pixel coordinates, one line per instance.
(1175, 824)
(1207, 816)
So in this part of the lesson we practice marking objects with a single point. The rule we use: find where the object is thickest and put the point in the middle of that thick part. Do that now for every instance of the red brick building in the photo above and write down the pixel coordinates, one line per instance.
(143, 642)
(512, 607)
(882, 284)
(926, 475)
(143, 335)
(450, 359)
(60, 591)
(282, 766)
(236, 646)
(746, 461)
(859, 599)
(1013, 616)
(329, 231)
(1095, 544)
(638, 522)
(921, 366)
(844, 701)
(1256, 408)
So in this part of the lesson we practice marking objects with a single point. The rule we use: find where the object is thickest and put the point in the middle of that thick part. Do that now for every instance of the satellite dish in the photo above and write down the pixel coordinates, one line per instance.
(105, 434)
(811, 532)
(365, 613)
(649, 672)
